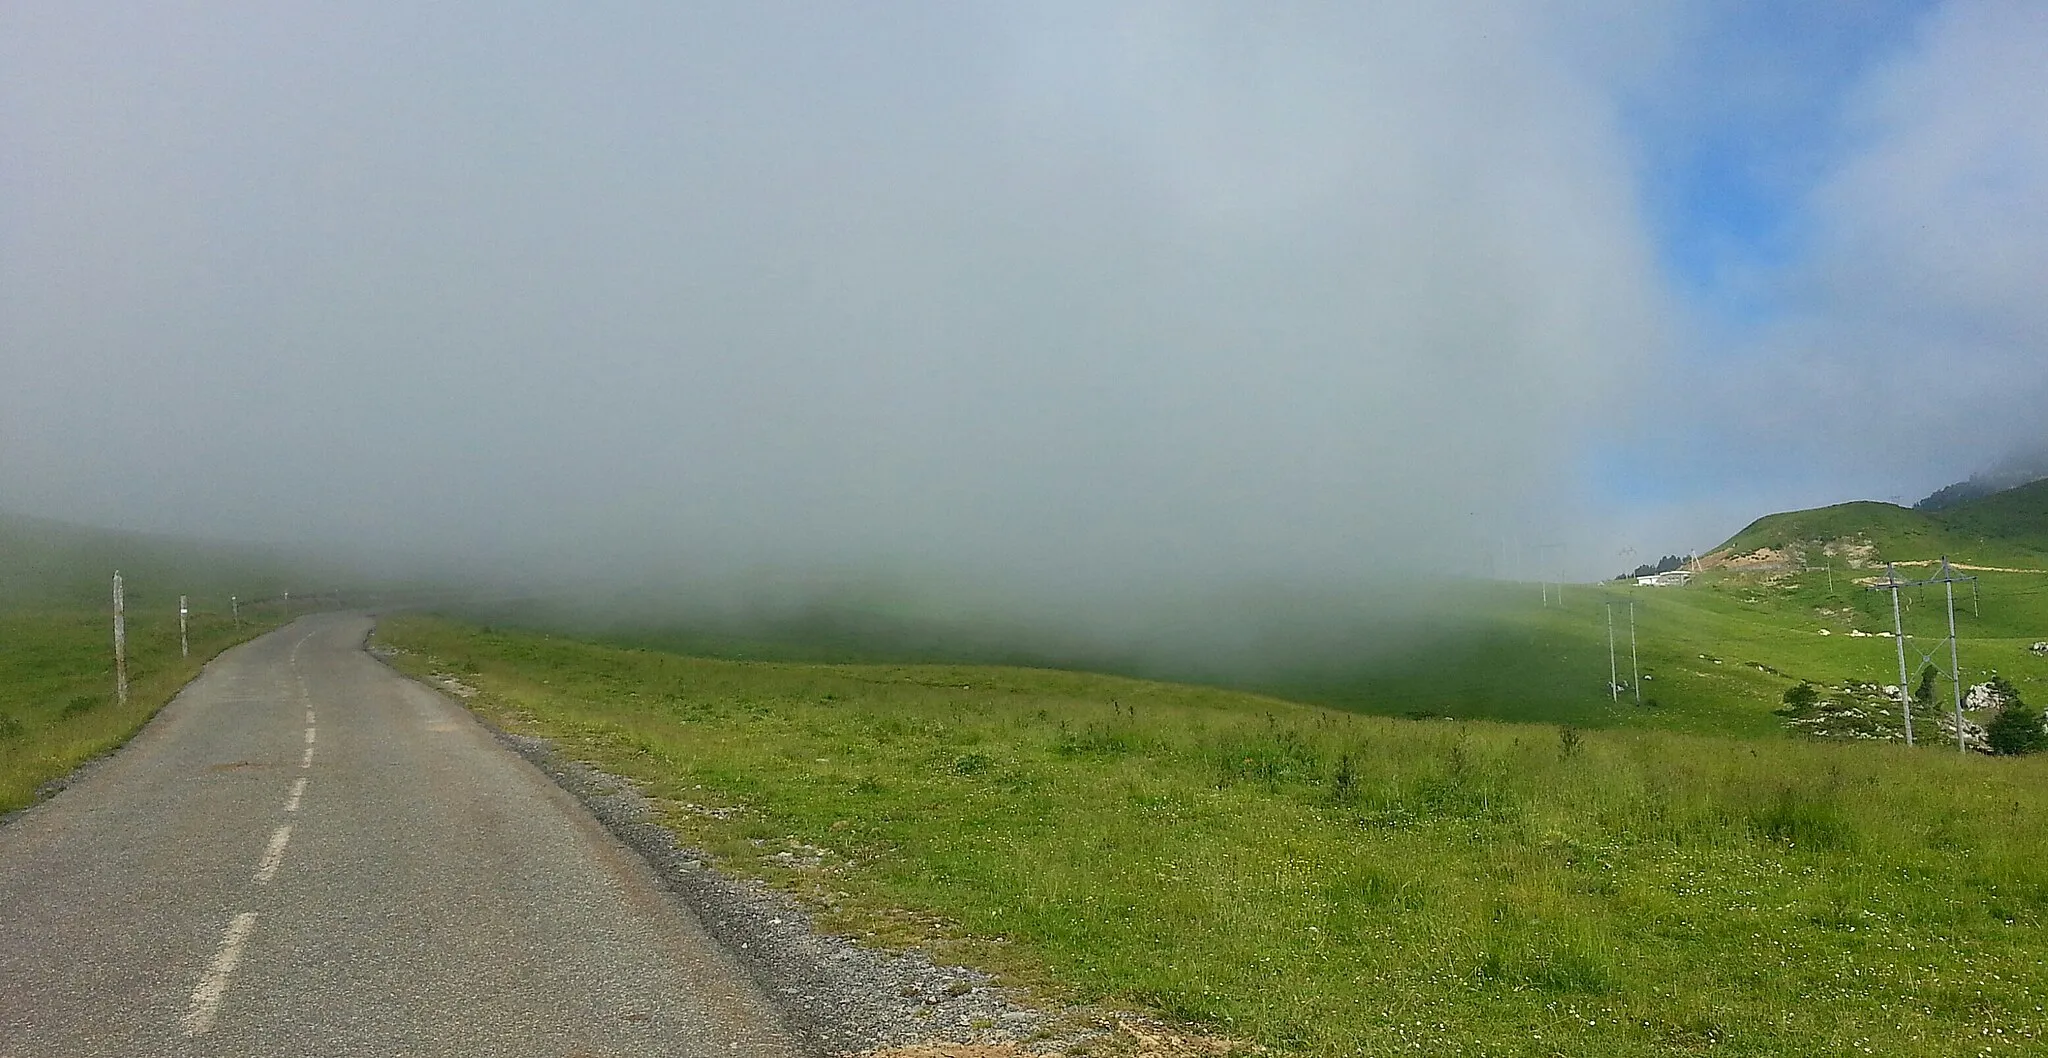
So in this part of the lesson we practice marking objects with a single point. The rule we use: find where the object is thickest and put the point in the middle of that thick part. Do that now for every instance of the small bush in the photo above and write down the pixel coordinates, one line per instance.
(83, 703)
(2017, 727)
(1924, 693)
(1344, 779)
(1800, 697)
(1096, 742)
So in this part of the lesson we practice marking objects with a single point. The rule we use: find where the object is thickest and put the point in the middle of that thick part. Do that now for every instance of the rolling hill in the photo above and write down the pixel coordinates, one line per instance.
(50, 563)
(2008, 528)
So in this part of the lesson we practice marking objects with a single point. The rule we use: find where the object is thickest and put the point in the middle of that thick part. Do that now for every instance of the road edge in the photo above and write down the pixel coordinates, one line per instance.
(837, 995)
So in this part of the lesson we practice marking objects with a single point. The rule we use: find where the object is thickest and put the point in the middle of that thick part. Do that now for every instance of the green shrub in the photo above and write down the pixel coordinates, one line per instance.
(1923, 694)
(2017, 727)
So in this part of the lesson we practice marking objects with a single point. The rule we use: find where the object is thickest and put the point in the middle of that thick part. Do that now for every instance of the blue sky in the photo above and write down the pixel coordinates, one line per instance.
(1742, 123)
(1759, 113)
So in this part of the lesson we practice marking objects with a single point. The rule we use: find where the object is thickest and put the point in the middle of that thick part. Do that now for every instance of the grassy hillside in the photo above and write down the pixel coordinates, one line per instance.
(1716, 657)
(1328, 883)
(46, 564)
(2018, 517)
(2007, 528)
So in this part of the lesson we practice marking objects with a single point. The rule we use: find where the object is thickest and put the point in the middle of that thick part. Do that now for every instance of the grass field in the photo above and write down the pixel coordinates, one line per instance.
(1331, 883)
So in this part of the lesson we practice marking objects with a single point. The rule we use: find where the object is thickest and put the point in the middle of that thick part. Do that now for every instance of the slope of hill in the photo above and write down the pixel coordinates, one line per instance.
(2016, 517)
(51, 563)
(2008, 528)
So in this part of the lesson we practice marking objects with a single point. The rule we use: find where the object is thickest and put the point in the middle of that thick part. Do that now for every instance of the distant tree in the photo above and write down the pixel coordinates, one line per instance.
(2017, 727)
(1953, 495)
(1924, 693)
(1800, 697)
(1662, 565)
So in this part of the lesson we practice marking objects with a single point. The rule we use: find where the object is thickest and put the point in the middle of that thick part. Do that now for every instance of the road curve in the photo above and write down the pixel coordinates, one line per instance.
(308, 854)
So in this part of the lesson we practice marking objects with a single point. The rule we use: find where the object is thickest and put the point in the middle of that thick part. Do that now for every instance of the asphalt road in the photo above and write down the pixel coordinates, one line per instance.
(307, 854)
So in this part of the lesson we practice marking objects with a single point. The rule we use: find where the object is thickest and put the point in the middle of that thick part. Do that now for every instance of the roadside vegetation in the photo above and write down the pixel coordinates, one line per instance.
(58, 706)
(1325, 882)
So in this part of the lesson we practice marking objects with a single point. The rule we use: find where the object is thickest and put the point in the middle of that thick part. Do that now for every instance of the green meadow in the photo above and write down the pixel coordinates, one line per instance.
(1325, 882)
(1716, 656)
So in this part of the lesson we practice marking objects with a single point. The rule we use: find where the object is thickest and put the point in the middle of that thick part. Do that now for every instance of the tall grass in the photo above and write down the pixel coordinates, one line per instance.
(1330, 883)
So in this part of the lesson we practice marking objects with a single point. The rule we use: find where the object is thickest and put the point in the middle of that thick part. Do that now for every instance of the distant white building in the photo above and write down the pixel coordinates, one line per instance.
(1676, 578)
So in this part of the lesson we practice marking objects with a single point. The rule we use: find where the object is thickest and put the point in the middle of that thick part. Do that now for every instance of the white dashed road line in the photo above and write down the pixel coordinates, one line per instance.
(273, 857)
(206, 998)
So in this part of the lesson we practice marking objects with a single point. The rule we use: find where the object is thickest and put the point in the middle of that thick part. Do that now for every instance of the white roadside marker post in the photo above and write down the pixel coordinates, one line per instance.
(184, 641)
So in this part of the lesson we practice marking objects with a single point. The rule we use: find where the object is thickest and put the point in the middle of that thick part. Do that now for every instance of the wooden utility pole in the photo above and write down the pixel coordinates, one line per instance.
(120, 641)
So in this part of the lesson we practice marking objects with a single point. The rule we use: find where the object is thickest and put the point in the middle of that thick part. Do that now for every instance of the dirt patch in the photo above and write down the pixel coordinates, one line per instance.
(454, 686)
(1857, 554)
(1763, 558)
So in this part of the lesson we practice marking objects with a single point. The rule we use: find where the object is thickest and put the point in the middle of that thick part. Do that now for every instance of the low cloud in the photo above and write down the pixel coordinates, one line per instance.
(1070, 300)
